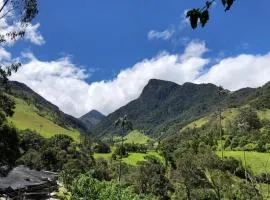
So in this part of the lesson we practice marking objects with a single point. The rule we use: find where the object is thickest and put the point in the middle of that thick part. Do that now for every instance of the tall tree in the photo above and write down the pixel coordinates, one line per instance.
(125, 125)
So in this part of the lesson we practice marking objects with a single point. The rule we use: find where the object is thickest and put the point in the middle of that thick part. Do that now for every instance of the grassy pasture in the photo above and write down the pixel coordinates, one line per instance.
(258, 162)
(132, 159)
(136, 137)
(26, 117)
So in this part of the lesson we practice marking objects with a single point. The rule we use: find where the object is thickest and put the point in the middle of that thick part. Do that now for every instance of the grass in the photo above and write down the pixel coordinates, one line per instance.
(134, 158)
(103, 155)
(263, 188)
(255, 160)
(136, 137)
(197, 123)
(228, 114)
(265, 114)
(26, 117)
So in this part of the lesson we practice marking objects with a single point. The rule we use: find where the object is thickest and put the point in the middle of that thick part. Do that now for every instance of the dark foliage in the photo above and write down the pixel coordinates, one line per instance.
(201, 15)
(164, 107)
(102, 147)
(9, 145)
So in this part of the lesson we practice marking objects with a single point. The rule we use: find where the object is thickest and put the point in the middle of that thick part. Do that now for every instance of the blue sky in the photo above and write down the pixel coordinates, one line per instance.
(111, 35)
(97, 40)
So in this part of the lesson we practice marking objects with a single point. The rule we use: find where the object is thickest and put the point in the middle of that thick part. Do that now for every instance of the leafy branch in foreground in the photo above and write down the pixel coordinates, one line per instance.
(18, 14)
(201, 15)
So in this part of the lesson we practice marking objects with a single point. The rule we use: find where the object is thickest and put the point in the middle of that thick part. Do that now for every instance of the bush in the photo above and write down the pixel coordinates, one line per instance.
(102, 147)
(32, 159)
(267, 147)
(87, 188)
(31, 140)
(9, 145)
(260, 147)
(249, 147)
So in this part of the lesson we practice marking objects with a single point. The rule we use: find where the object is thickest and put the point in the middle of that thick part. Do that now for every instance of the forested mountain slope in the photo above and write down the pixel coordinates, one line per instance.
(92, 118)
(165, 106)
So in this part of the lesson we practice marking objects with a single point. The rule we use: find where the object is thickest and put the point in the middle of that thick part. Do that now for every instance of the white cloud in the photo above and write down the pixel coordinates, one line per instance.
(164, 35)
(194, 50)
(171, 31)
(4, 55)
(33, 35)
(241, 71)
(63, 83)
(8, 25)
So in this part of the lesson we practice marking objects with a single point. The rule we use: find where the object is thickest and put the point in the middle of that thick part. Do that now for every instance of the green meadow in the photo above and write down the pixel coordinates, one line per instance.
(258, 162)
(26, 117)
(135, 137)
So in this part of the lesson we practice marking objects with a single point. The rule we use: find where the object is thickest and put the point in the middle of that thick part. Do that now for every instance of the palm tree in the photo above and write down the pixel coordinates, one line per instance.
(125, 125)
(221, 92)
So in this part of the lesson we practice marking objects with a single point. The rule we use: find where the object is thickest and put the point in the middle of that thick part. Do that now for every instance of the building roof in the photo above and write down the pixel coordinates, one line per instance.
(22, 177)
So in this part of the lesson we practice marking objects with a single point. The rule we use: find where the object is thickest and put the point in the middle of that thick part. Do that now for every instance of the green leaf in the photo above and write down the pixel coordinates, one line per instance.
(229, 4)
(194, 16)
(204, 17)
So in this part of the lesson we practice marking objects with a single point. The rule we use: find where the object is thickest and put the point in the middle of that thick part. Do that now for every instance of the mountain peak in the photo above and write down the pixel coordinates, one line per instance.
(92, 118)
(159, 82)
(158, 87)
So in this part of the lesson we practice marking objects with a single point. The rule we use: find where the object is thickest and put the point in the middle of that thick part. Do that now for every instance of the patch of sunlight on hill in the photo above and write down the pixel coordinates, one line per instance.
(265, 114)
(228, 114)
(134, 158)
(255, 160)
(136, 137)
(196, 124)
(26, 117)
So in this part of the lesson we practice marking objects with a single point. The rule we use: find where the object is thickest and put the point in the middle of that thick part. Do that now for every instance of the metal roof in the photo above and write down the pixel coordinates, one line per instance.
(22, 177)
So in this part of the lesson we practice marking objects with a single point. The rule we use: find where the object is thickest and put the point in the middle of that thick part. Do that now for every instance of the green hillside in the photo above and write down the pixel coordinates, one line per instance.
(258, 162)
(264, 114)
(26, 117)
(136, 137)
(34, 103)
(228, 114)
(133, 158)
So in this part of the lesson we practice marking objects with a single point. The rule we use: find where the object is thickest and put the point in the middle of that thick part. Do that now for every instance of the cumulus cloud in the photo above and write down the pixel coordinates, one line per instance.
(241, 71)
(171, 32)
(4, 55)
(32, 34)
(164, 35)
(63, 83)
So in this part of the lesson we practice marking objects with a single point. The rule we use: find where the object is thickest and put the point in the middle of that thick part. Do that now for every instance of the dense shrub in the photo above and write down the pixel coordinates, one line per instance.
(9, 145)
(101, 147)
(87, 188)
